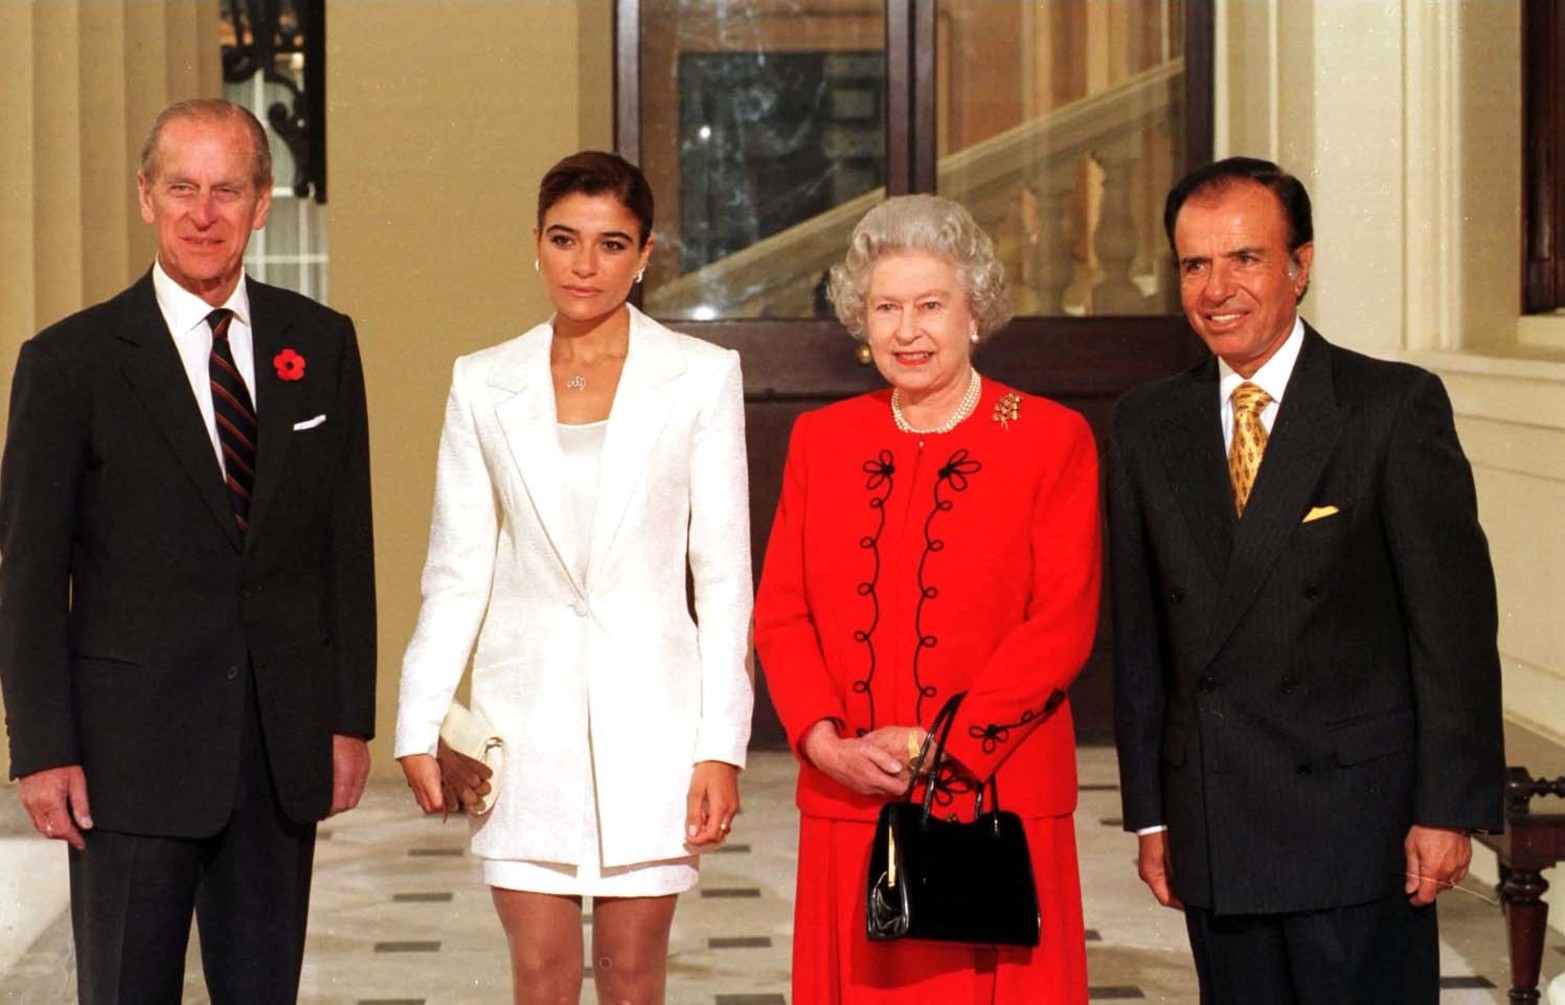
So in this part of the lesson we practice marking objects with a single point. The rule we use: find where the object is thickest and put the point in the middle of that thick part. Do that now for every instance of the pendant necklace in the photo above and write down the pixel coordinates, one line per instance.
(578, 380)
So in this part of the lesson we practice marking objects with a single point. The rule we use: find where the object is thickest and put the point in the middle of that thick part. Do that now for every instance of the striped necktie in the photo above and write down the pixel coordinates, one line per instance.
(1249, 442)
(236, 428)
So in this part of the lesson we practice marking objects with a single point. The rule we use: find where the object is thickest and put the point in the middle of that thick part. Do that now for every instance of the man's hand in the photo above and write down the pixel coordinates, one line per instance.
(56, 802)
(1153, 868)
(712, 804)
(861, 765)
(463, 780)
(1437, 859)
(350, 766)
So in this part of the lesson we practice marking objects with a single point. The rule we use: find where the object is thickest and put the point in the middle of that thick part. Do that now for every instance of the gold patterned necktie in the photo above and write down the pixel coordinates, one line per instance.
(1249, 442)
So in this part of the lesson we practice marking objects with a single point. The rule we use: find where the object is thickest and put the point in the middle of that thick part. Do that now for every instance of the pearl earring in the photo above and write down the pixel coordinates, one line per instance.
(972, 337)
(535, 266)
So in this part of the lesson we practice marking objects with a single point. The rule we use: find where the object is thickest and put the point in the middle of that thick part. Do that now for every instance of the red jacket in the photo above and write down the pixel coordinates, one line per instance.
(905, 567)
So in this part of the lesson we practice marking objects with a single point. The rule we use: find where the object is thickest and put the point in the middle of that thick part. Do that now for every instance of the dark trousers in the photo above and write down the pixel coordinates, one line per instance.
(1386, 952)
(249, 886)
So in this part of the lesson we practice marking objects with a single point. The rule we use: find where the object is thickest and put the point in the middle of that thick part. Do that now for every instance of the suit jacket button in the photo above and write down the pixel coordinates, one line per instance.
(1303, 769)
(1176, 595)
(1206, 685)
(579, 608)
(1312, 592)
(1289, 685)
(233, 673)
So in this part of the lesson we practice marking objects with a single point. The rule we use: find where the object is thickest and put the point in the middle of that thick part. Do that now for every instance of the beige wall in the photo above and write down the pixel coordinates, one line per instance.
(443, 118)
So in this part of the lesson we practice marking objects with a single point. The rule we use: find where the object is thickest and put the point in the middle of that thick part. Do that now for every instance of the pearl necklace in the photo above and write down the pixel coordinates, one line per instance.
(964, 408)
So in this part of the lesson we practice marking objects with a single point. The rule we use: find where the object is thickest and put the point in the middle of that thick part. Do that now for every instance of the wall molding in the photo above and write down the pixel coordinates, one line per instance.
(1432, 218)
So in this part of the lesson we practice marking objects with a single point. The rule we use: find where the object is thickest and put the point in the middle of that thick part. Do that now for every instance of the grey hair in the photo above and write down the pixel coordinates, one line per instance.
(930, 224)
(211, 110)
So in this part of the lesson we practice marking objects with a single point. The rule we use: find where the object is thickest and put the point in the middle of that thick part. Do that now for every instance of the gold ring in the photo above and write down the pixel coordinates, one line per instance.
(723, 825)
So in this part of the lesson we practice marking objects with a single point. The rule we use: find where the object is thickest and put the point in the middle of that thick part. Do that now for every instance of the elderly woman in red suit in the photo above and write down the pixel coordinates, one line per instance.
(938, 536)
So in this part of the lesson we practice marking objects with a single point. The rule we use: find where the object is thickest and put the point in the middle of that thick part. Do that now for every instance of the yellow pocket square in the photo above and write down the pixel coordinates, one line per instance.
(1320, 513)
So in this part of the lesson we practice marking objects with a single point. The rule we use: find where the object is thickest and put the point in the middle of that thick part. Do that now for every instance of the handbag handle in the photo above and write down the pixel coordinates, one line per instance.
(935, 744)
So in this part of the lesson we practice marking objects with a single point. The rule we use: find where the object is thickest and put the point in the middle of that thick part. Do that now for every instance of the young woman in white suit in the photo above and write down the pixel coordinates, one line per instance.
(584, 466)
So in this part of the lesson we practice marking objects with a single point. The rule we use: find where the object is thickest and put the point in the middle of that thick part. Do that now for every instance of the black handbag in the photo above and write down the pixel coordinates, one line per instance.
(945, 880)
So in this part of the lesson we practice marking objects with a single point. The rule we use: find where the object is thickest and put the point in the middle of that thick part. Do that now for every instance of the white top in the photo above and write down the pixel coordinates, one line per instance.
(1272, 378)
(185, 315)
(582, 446)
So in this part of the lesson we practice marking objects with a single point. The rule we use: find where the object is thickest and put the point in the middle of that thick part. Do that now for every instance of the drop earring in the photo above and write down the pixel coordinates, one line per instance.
(641, 273)
(972, 336)
(535, 266)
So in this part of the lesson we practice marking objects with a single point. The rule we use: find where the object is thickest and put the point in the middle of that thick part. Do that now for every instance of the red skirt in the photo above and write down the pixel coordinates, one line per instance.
(834, 963)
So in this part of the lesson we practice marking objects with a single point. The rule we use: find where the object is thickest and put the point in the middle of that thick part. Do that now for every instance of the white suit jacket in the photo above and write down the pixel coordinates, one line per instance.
(616, 658)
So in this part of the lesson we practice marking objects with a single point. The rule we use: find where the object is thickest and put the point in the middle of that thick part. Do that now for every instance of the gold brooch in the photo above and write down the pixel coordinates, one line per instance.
(1006, 409)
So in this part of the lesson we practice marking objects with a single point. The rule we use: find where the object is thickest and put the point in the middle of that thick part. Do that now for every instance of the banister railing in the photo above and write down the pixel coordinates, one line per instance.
(1036, 163)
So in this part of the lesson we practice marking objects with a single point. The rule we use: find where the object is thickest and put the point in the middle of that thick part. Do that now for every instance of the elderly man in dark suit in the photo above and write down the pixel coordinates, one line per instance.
(187, 626)
(1307, 688)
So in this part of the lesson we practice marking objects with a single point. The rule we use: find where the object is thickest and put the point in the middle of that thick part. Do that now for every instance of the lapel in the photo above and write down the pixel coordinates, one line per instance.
(1307, 427)
(641, 408)
(152, 366)
(1191, 446)
(273, 327)
(527, 417)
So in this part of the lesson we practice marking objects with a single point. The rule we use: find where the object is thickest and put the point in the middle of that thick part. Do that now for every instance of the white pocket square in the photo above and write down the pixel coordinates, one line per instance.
(309, 423)
(1320, 513)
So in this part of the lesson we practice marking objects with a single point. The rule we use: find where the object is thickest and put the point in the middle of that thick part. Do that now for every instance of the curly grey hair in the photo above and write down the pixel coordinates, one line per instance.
(930, 224)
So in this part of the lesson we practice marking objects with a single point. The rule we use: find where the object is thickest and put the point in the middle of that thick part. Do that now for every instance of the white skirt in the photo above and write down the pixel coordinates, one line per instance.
(589, 878)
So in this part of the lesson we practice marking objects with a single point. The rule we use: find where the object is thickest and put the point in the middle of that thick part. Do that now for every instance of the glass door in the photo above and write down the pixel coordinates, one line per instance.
(769, 127)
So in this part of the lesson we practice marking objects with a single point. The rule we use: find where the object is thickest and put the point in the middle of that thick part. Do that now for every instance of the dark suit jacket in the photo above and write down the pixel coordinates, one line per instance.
(132, 615)
(1292, 695)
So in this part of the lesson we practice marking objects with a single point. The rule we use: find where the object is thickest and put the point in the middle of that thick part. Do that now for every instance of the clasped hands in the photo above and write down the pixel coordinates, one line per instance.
(447, 782)
(879, 763)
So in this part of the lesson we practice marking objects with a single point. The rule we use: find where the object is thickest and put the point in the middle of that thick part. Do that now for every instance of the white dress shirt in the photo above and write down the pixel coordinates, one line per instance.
(1272, 378)
(185, 314)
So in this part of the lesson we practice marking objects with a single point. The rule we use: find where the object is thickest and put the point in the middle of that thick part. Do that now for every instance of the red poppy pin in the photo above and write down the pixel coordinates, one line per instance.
(289, 364)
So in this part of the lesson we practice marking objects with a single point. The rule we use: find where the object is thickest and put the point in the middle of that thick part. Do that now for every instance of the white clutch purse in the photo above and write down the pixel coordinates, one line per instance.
(470, 734)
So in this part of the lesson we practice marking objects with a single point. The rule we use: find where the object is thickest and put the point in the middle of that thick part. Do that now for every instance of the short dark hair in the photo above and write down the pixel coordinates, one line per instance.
(211, 110)
(594, 172)
(1221, 174)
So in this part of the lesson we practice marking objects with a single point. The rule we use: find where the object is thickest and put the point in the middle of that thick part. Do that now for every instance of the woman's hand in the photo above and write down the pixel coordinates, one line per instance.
(423, 775)
(865, 764)
(712, 804)
(899, 741)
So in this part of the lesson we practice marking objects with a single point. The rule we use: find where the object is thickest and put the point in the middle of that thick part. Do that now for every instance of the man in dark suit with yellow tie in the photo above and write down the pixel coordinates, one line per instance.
(187, 612)
(1307, 687)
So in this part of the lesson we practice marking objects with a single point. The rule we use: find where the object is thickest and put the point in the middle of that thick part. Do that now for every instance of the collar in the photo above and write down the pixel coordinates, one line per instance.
(184, 311)
(1273, 374)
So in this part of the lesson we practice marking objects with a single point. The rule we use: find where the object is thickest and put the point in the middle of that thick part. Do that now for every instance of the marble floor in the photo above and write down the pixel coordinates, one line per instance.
(399, 915)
